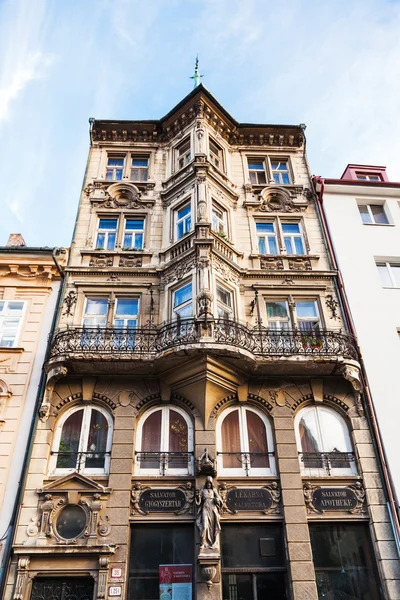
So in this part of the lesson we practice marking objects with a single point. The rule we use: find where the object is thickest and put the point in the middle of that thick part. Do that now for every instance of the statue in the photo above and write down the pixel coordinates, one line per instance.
(208, 514)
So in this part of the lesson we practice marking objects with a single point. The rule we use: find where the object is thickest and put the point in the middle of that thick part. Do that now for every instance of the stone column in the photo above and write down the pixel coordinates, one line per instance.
(301, 566)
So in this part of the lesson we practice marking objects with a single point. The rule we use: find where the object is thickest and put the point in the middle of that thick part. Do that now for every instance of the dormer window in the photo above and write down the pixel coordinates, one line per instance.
(183, 154)
(368, 177)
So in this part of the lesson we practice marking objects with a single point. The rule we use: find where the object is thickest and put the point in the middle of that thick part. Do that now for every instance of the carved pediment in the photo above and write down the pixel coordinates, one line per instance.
(74, 482)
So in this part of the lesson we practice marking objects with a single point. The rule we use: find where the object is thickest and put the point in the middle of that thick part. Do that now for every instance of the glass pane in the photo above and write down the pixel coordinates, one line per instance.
(118, 175)
(365, 216)
(288, 245)
(151, 440)
(184, 211)
(224, 296)
(290, 228)
(257, 438)
(128, 237)
(115, 162)
(101, 238)
(253, 177)
(261, 246)
(108, 224)
(137, 224)
(298, 244)
(334, 431)
(97, 441)
(178, 440)
(15, 308)
(2, 304)
(273, 248)
(396, 274)
(277, 178)
(306, 309)
(384, 275)
(111, 241)
(183, 294)
(256, 165)
(236, 586)
(69, 442)
(138, 241)
(250, 552)
(379, 214)
(265, 227)
(276, 310)
(127, 306)
(71, 522)
(140, 162)
(309, 433)
(230, 433)
(96, 306)
(185, 312)
(285, 178)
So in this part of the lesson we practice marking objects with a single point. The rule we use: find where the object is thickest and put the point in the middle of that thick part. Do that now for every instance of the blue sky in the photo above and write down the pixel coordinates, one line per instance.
(332, 65)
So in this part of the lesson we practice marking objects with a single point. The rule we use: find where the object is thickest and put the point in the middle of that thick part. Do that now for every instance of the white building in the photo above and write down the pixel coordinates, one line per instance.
(362, 210)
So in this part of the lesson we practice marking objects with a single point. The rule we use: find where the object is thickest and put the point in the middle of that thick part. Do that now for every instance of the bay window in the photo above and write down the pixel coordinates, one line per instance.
(219, 220)
(224, 302)
(182, 303)
(183, 154)
(183, 220)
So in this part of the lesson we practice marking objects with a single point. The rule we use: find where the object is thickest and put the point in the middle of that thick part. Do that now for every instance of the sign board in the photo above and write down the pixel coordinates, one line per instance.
(165, 500)
(330, 498)
(116, 572)
(115, 590)
(249, 499)
(176, 582)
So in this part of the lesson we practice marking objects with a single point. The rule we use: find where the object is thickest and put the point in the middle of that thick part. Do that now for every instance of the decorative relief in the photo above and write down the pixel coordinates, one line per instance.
(101, 260)
(69, 303)
(178, 500)
(178, 271)
(265, 499)
(206, 465)
(130, 261)
(22, 578)
(332, 304)
(300, 264)
(353, 375)
(227, 273)
(271, 263)
(320, 499)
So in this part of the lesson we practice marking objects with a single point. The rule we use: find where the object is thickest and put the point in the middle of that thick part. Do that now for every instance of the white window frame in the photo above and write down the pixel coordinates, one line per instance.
(141, 169)
(125, 318)
(388, 265)
(164, 443)
(175, 309)
(83, 440)
(371, 215)
(262, 160)
(292, 237)
(114, 169)
(106, 233)
(94, 316)
(216, 157)
(133, 232)
(4, 316)
(278, 320)
(185, 157)
(279, 160)
(352, 470)
(218, 222)
(178, 220)
(265, 236)
(220, 304)
(244, 445)
(367, 177)
(308, 319)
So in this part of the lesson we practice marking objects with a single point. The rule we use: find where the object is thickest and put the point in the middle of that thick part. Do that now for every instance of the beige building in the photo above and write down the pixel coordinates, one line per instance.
(203, 424)
(30, 280)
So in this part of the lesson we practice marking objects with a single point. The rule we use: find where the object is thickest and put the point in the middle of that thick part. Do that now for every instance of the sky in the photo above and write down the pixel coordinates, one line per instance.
(332, 65)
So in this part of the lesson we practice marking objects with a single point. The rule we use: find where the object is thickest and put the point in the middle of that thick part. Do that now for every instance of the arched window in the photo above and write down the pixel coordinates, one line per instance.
(323, 442)
(165, 442)
(244, 443)
(82, 442)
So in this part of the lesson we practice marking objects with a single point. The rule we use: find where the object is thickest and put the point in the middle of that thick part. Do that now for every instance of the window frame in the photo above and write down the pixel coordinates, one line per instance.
(382, 205)
(266, 235)
(134, 232)
(367, 176)
(279, 172)
(224, 220)
(244, 448)
(94, 297)
(219, 156)
(164, 440)
(278, 320)
(388, 266)
(230, 309)
(83, 440)
(308, 319)
(255, 159)
(175, 314)
(292, 237)
(186, 157)
(130, 317)
(176, 220)
(106, 232)
(115, 156)
(133, 156)
(4, 316)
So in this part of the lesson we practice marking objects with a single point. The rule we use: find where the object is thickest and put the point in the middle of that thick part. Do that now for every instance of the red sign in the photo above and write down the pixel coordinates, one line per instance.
(176, 582)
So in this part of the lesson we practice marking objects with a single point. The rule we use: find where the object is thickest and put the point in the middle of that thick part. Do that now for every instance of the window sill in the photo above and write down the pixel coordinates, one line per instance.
(12, 350)
(378, 224)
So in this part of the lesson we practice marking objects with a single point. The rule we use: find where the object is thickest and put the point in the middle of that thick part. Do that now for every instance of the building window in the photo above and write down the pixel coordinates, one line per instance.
(11, 314)
(373, 214)
(95, 314)
(115, 168)
(280, 171)
(183, 220)
(165, 442)
(182, 302)
(344, 561)
(139, 168)
(253, 561)
(266, 238)
(323, 442)
(293, 238)
(389, 274)
(216, 155)
(368, 177)
(106, 234)
(307, 316)
(244, 443)
(83, 442)
(219, 220)
(224, 303)
(133, 234)
(257, 172)
(183, 154)
(278, 317)
(126, 313)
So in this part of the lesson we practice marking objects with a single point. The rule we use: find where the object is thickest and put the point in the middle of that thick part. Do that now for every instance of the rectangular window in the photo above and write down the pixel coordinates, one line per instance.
(293, 238)
(215, 155)
(95, 314)
(133, 234)
(389, 274)
(266, 238)
(115, 168)
(126, 313)
(139, 168)
(280, 171)
(224, 302)
(307, 316)
(344, 561)
(183, 154)
(373, 214)
(219, 220)
(257, 171)
(368, 177)
(182, 302)
(183, 221)
(106, 234)
(278, 317)
(11, 314)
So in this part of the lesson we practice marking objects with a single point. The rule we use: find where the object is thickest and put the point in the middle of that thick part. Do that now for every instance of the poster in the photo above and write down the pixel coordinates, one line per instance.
(175, 582)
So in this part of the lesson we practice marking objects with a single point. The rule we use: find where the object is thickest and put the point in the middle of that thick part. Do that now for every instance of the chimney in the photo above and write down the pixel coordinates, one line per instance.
(15, 240)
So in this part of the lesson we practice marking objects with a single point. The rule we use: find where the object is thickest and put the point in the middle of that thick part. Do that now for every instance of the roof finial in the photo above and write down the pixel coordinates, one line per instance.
(196, 77)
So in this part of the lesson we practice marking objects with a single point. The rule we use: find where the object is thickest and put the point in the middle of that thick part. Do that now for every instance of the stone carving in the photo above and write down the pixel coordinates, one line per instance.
(187, 490)
(178, 271)
(208, 572)
(351, 498)
(332, 304)
(300, 264)
(277, 200)
(206, 465)
(227, 273)
(135, 497)
(209, 505)
(52, 377)
(122, 195)
(104, 562)
(69, 303)
(353, 375)
(22, 578)
(308, 498)
(204, 300)
(273, 489)
(130, 261)
(271, 263)
(100, 261)
(104, 526)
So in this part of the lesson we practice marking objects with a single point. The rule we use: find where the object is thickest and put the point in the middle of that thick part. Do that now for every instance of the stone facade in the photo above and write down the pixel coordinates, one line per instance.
(212, 324)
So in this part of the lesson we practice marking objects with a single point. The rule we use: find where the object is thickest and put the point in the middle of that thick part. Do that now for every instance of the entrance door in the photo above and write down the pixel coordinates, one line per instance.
(60, 588)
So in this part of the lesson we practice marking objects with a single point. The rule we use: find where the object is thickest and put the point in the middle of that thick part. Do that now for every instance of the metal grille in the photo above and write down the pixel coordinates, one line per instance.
(72, 588)
(323, 463)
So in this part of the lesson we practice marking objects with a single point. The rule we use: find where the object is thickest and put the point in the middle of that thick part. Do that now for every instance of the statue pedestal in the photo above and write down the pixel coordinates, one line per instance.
(209, 560)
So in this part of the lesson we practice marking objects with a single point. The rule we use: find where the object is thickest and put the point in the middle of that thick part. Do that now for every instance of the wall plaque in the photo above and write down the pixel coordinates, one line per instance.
(330, 498)
(249, 499)
(165, 500)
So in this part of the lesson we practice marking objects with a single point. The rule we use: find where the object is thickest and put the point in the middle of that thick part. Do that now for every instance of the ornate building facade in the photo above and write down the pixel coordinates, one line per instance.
(203, 423)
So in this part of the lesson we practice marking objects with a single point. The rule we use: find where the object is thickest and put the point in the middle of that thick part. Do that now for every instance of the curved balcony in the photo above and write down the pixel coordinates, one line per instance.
(218, 336)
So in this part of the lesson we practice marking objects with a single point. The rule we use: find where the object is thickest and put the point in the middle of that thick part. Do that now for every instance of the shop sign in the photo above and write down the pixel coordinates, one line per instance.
(249, 499)
(330, 498)
(165, 500)
(176, 582)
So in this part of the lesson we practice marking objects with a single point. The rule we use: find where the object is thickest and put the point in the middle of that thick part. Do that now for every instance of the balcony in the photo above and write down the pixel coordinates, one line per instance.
(164, 463)
(228, 338)
(327, 464)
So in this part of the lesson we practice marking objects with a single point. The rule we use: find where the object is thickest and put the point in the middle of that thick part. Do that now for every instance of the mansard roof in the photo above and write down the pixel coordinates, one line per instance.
(199, 103)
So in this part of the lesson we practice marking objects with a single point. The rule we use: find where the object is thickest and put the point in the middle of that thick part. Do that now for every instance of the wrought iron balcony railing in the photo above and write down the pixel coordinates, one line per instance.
(154, 339)
(79, 461)
(165, 462)
(246, 460)
(321, 464)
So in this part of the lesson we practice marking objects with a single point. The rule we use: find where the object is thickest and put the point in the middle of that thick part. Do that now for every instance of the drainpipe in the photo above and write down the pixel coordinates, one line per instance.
(385, 471)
